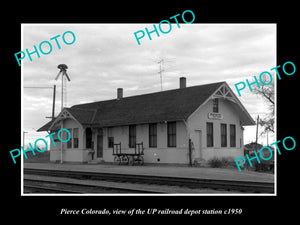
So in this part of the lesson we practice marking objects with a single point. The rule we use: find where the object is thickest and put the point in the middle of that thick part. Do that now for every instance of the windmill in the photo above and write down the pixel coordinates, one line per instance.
(63, 72)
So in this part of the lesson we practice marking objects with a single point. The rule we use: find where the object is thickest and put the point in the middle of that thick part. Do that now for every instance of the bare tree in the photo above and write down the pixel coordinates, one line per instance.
(267, 93)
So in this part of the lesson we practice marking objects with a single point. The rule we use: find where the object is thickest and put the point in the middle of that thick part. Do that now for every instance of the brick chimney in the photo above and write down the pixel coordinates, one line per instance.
(119, 93)
(182, 82)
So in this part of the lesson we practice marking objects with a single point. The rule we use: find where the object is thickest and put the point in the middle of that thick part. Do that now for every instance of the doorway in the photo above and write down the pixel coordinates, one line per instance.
(88, 138)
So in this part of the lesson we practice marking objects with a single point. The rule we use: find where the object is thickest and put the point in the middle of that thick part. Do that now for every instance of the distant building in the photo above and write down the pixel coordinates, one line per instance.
(209, 115)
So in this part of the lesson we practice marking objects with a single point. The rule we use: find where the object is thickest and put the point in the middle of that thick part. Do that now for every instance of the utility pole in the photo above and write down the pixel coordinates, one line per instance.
(54, 91)
(53, 104)
(256, 132)
(62, 92)
(24, 132)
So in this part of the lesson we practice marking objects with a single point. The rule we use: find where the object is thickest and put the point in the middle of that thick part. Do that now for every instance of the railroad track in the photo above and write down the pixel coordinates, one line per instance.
(227, 185)
(50, 186)
(42, 187)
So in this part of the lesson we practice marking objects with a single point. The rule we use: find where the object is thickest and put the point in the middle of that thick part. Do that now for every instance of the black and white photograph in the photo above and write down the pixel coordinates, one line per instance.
(106, 115)
(144, 111)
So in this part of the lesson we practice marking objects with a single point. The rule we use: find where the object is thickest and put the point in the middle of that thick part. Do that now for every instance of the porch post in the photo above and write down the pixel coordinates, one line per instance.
(189, 142)
(61, 144)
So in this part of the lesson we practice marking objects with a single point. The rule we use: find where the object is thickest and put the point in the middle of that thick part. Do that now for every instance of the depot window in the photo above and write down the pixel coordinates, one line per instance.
(223, 135)
(232, 135)
(132, 136)
(209, 135)
(69, 143)
(110, 138)
(75, 137)
(171, 134)
(152, 135)
(215, 105)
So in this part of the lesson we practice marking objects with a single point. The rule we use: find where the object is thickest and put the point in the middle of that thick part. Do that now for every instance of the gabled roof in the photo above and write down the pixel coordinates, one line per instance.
(83, 115)
(46, 126)
(171, 105)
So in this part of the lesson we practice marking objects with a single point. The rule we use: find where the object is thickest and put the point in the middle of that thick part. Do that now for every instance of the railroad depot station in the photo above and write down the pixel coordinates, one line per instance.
(181, 126)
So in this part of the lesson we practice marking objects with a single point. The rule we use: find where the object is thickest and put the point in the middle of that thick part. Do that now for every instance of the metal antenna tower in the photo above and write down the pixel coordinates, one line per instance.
(161, 61)
(161, 69)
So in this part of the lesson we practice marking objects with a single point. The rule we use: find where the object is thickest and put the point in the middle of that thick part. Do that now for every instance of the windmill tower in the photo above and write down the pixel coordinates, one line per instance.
(63, 72)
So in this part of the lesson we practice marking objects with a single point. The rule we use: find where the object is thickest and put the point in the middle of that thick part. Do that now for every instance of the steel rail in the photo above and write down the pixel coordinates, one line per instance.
(232, 185)
(66, 187)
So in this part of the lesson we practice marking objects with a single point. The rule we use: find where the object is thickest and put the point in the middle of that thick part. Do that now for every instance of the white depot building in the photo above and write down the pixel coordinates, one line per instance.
(181, 126)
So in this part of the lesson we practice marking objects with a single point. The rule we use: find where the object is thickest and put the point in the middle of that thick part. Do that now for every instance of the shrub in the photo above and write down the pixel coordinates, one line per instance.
(214, 162)
(221, 162)
(263, 167)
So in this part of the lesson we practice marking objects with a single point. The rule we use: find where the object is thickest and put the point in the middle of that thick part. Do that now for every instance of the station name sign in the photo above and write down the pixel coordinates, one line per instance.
(215, 116)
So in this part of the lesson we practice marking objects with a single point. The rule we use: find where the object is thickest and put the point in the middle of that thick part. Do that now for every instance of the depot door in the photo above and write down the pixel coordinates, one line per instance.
(99, 146)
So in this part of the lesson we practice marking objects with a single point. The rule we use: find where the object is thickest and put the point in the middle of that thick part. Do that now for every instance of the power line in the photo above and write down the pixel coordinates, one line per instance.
(54, 92)
(40, 87)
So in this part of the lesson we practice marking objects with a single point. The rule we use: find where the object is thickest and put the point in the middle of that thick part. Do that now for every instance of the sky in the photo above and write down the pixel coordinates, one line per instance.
(105, 57)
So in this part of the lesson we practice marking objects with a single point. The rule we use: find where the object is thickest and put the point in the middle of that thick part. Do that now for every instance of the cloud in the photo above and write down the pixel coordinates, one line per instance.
(107, 56)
